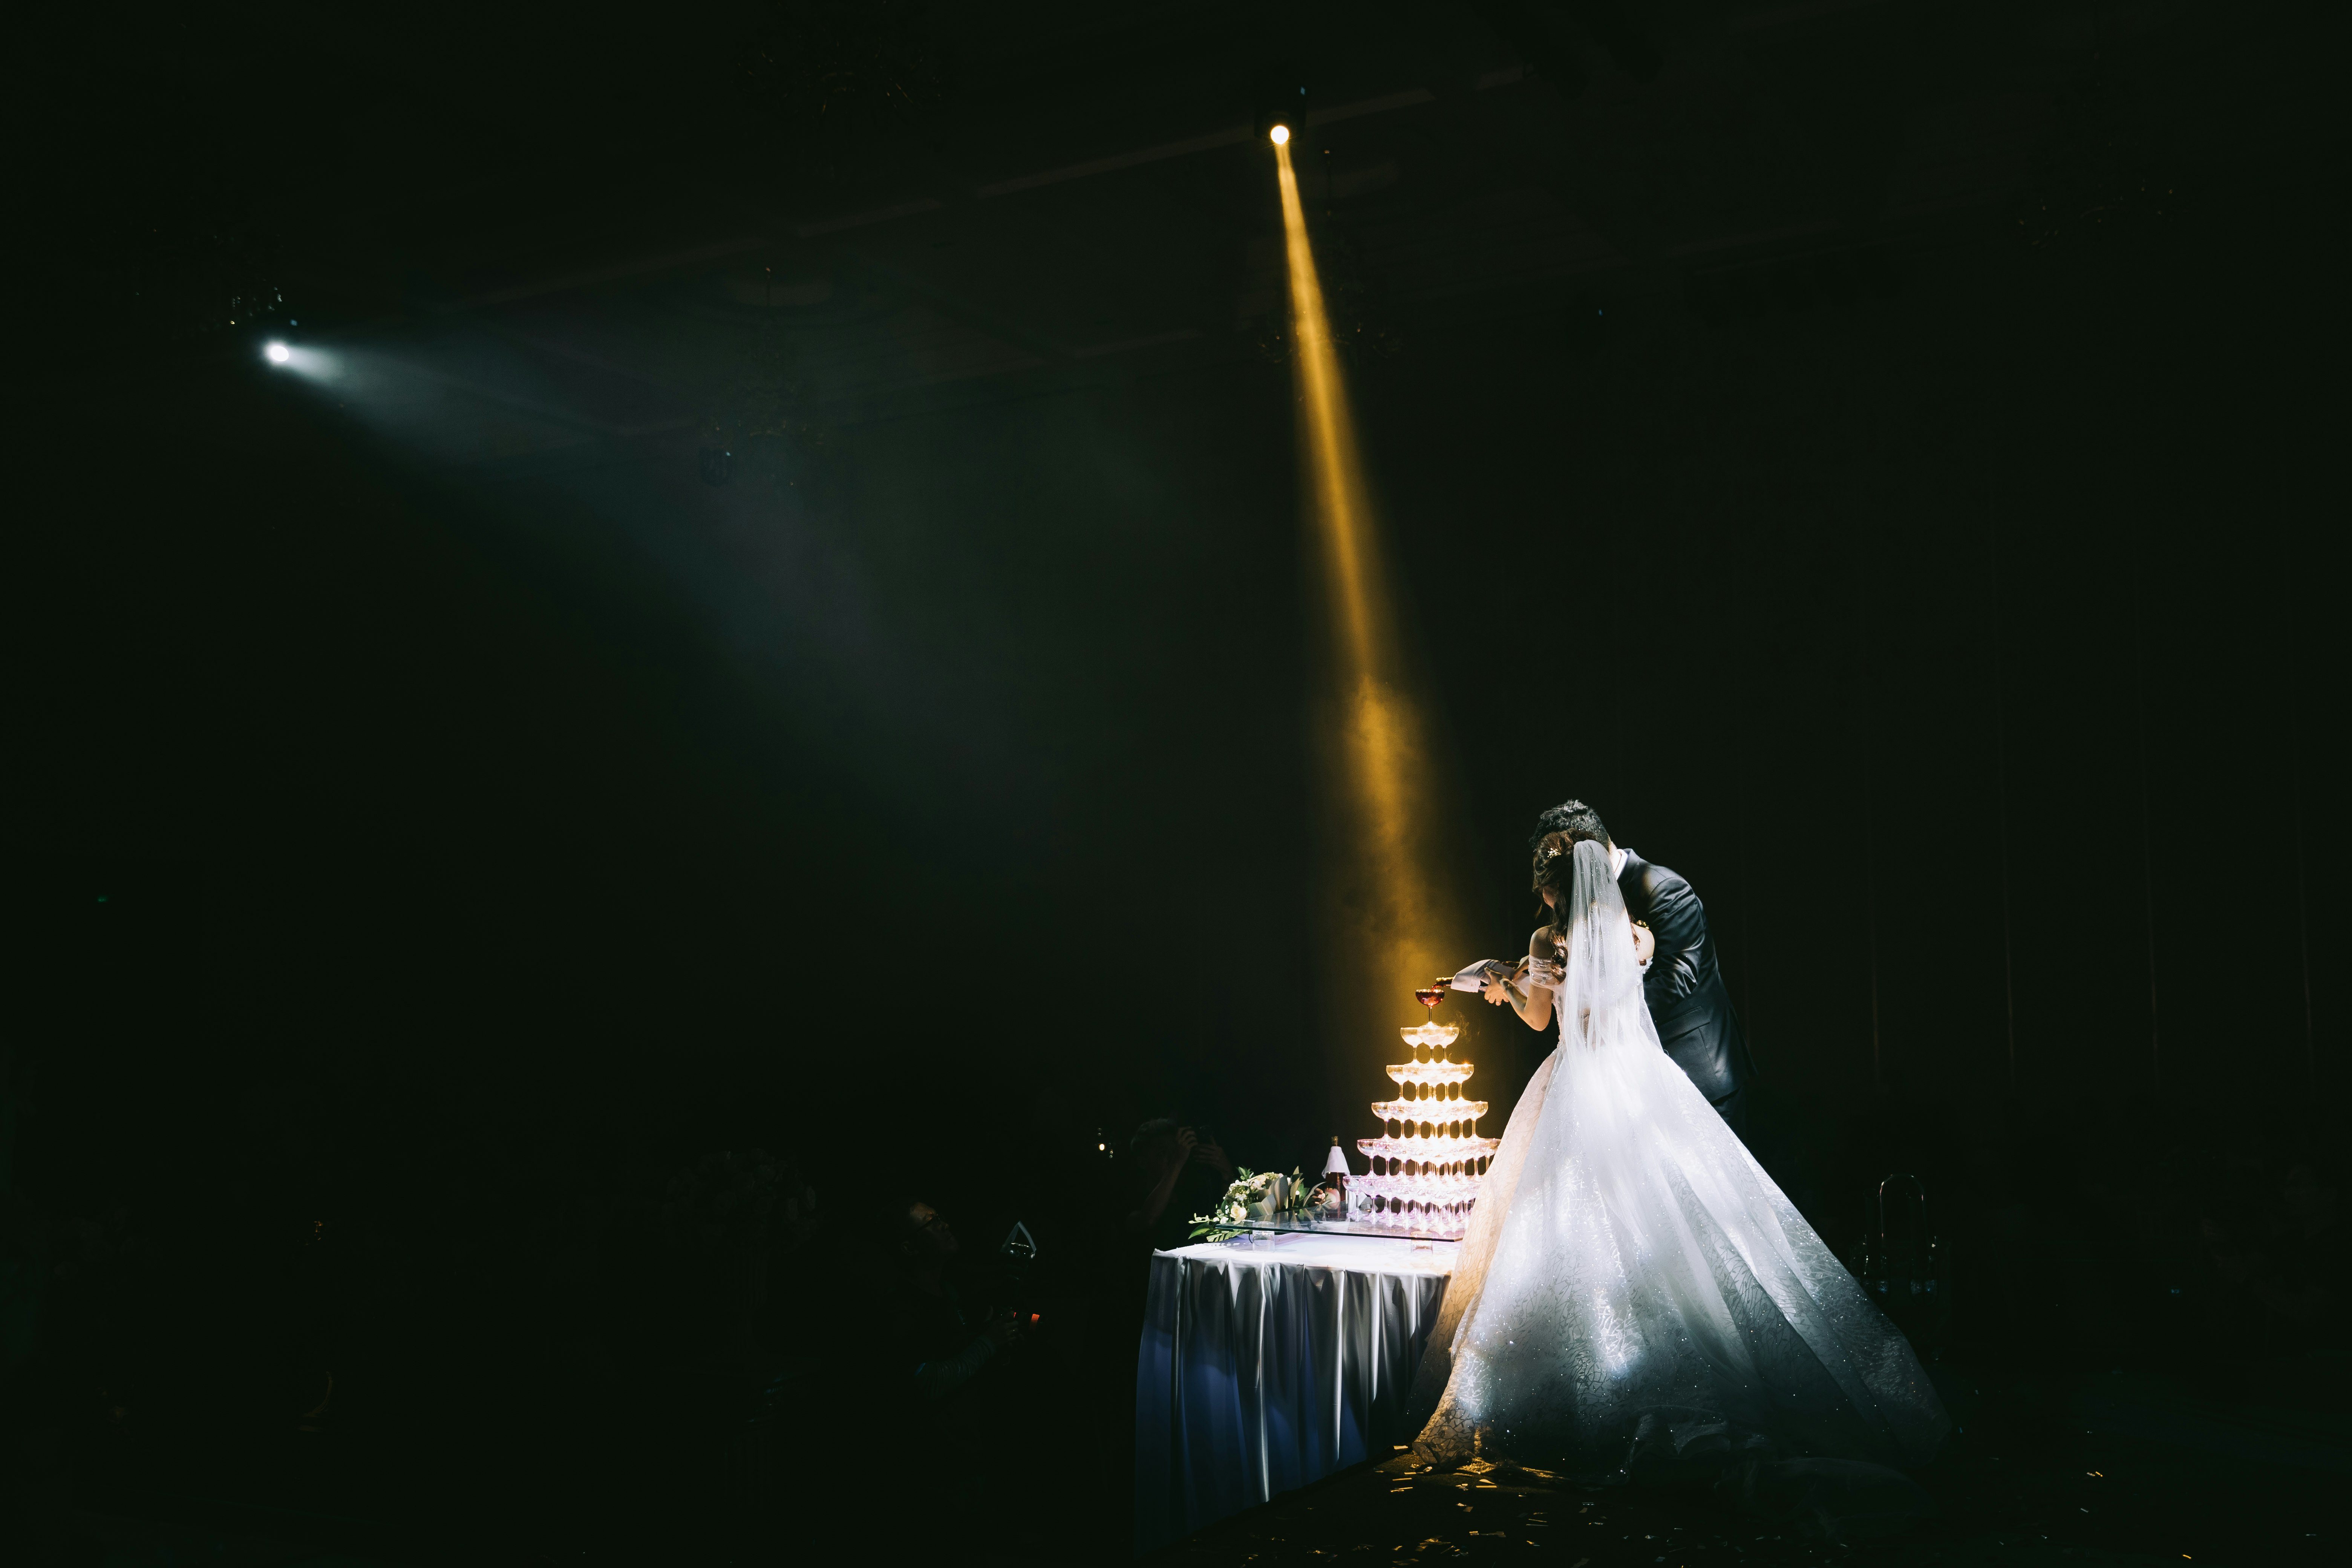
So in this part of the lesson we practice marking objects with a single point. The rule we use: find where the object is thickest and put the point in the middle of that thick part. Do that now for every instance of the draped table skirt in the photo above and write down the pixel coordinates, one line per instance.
(1268, 1364)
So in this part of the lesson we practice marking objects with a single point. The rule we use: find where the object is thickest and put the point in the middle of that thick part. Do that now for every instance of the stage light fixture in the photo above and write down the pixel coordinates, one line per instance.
(1279, 134)
(277, 353)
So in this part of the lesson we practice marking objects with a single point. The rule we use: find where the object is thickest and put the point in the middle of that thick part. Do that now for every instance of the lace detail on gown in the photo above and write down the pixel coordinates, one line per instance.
(1630, 1260)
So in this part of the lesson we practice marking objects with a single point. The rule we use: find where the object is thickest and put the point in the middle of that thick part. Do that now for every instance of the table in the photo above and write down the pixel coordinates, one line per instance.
(1271, 1363)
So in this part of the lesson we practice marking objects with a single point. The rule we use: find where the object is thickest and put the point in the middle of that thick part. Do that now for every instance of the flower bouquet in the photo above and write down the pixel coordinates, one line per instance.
(1254, 1194)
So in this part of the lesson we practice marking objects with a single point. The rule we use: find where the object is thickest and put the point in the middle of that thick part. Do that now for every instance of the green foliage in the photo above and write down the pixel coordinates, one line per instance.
(1224, 1220)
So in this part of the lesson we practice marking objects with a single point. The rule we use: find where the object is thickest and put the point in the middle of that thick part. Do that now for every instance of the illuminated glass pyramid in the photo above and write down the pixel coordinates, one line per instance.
(1429, 1158)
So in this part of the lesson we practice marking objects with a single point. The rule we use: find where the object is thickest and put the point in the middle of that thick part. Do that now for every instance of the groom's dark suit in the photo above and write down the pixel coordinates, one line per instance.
(1684, 989)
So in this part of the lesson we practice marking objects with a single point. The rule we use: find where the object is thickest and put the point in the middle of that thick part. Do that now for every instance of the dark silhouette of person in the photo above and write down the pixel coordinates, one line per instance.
(939, 1349)
(1180, 1175)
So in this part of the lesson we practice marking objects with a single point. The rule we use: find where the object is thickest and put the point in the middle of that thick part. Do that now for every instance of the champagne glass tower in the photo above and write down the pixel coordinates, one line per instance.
(1427, 1160)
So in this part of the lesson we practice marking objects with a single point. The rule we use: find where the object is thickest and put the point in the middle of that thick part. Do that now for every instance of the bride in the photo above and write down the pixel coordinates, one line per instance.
(1633, 1288)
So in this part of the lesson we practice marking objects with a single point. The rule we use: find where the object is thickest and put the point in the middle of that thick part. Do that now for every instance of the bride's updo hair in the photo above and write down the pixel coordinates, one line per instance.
(1555, 871)
(1571, 819)
(1558, 833)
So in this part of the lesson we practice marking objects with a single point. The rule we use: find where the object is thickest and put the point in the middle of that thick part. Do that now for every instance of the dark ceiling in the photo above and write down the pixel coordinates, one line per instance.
(565, 223)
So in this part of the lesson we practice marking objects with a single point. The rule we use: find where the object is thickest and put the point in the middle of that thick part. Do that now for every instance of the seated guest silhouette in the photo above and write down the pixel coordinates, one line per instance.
(939, 1349)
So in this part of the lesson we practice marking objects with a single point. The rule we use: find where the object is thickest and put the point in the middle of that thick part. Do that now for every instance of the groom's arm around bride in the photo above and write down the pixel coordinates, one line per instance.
(1684, 986)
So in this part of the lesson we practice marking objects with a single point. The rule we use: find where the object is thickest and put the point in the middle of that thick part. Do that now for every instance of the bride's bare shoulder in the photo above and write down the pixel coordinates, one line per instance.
(1540, 944)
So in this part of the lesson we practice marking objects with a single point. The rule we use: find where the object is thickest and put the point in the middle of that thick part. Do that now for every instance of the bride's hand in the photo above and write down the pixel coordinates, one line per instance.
(1496, 992)
(1644, 944)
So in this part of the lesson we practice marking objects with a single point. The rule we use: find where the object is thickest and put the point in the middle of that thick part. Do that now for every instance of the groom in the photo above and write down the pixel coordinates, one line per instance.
(1683, 984)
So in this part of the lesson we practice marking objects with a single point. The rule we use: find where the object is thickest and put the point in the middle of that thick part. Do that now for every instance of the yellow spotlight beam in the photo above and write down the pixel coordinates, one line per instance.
(1339, 493)
(1393, 915)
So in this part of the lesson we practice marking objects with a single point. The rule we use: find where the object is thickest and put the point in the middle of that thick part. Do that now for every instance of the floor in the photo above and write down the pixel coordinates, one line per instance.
(2109, 1468)
(2104, 1467)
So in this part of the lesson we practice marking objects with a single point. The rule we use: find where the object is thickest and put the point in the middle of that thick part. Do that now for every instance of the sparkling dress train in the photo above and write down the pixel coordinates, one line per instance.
(1633, 1288)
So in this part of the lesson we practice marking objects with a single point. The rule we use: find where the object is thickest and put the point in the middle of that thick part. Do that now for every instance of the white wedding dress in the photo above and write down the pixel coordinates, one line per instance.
(1634, 1290)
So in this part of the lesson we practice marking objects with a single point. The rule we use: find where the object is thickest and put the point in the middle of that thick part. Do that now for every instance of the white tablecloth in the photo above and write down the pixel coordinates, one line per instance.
(1267, 1366)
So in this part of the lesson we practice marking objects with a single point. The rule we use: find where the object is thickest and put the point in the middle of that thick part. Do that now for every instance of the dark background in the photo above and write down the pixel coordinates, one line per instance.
(1880, 455)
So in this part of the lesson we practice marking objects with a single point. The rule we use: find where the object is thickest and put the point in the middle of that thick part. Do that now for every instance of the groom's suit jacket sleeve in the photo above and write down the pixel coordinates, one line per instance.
(1678, 921)
(1683, 984)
